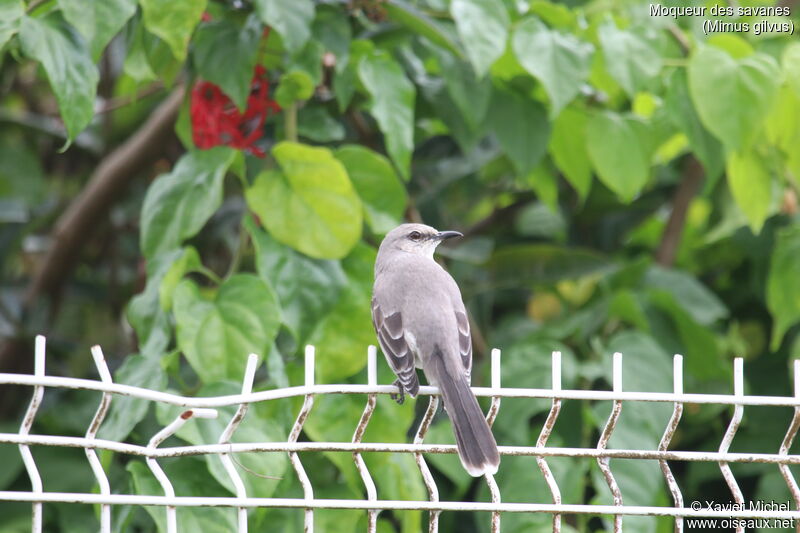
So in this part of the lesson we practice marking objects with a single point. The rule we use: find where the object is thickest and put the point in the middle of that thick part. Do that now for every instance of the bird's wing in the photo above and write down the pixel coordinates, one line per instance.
(464, 342)
(389, 328)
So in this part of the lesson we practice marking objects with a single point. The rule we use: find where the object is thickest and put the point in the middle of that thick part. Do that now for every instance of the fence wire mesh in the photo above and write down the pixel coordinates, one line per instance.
(206, 407)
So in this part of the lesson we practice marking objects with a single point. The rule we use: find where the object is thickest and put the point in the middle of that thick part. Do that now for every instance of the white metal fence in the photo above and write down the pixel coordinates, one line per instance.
(205, 408)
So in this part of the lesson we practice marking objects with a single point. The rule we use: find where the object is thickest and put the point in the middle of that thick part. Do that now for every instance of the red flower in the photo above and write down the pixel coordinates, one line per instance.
(217, 122)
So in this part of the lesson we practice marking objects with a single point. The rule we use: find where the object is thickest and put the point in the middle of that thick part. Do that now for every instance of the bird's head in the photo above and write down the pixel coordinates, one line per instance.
(416, 239)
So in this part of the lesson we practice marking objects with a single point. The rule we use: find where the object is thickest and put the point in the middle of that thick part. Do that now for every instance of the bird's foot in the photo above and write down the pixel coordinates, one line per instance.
(398, 397)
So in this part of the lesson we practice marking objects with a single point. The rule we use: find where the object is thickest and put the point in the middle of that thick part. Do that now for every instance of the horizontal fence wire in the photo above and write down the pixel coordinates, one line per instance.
(372, 504)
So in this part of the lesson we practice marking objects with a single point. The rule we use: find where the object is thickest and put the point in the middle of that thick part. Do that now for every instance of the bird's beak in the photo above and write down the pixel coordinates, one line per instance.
(442, 235)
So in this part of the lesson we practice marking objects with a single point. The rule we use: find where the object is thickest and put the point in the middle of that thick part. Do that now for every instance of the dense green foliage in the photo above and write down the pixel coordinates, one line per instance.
(573, 143)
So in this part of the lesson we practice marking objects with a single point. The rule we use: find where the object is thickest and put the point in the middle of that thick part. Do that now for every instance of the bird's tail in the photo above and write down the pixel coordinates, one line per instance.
(477, 448)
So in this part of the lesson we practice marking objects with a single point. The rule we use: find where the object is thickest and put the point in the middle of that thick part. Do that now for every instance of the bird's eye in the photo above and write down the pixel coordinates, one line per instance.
(415, 235)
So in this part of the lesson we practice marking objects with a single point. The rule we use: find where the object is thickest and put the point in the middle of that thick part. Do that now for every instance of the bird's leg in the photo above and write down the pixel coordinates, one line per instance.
(398, 397)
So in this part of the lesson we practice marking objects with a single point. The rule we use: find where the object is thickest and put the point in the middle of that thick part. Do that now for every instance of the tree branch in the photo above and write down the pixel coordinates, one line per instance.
(75, 226)
(671, 238)
(499, 216)
(680, 38)
(107, 182)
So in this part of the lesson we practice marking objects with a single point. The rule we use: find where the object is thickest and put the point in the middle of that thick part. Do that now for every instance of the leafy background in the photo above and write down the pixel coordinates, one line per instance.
(624, 183)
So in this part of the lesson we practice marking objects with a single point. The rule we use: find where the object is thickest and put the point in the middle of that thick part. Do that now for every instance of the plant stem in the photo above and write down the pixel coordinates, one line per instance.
(210, 274)
(290, 122)
(238, 253)
(33, 5)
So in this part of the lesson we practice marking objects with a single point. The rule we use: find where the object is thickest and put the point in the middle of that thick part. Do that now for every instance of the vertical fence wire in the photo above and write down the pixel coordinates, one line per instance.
(302, 416)
(494, 490)
(427, 477)
(227, 434)
(544, 435)
(91, 433)
(361, 428)
(602, 443)
(727, 439)
(224, 448)
(25, 429)
(669, 432)
(166, 485)
(788, 439)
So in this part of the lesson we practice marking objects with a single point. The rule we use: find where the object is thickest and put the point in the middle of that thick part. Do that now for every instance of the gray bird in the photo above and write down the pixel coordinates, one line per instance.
(420, 321)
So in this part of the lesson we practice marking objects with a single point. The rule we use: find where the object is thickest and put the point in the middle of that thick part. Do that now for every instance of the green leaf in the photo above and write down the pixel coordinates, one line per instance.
(646, 367)
(188, 261)
(178, 204)
(702, 305)
(790, 60)
(136, 64)
(626, 305)
(465, 126)
(333, 419)
(345, 77)
(392, 105)
(344, 86)
(507, 68)
(568, 148)
(216, 336)
(542, 221)
(399, 478)
(344, 334)
(544, 183)
(189, 477)
(294, 86)
(307, 288)
(543, 263)
(732, 96)
(519, 481)
(527, 363)
(332, 28)
(683, 114)
(733, 44)
(160, 58)
(751, 185)
(619, 152)
(560, 61)
(226, 53)
(522, 128)
(98, 22)
(11, 13)
(421, 24)
(699, 343)
(263, 423)
(309, 61)
(376, 182)
(783, 283)
(315, 123)
(470, 94)
(22, 178)
(68, 65)
(126, 411)
(555, 15)
(782, 127)
(309, 203)
(483, 28)
(291, 19)
(11, 460)
(630, 60)
(441, 432)
(173, 21)
(145, 313)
